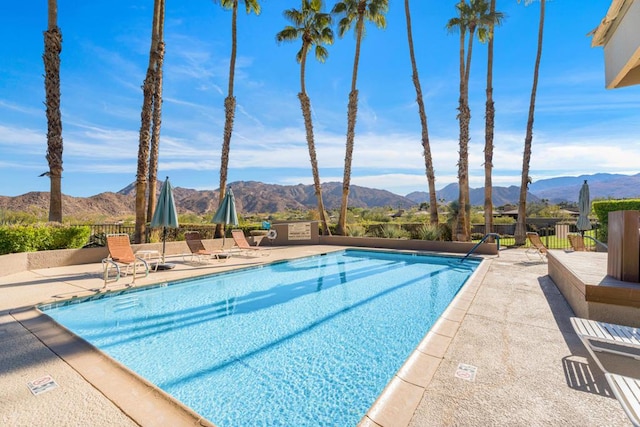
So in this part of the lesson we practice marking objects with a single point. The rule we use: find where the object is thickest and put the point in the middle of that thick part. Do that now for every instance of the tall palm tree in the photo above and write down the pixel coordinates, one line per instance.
(521, 229)
(156, 118)
(314, 28)
(473, 17)
(145, 128)
(230, 100)
(426, 148)
(355, 11)
(490, 113)
(51, 58)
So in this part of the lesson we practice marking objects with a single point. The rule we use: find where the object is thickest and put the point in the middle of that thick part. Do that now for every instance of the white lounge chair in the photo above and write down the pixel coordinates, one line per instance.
(607, 337)
(627, 391)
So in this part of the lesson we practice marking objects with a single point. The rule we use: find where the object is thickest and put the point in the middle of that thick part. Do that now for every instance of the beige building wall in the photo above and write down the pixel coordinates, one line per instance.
(619, 34)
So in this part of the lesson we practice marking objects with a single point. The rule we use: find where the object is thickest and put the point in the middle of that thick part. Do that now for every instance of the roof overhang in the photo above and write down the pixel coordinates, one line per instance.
(619, 34)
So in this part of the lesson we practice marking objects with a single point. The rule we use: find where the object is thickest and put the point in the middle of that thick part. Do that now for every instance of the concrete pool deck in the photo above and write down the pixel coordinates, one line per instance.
(512, 330)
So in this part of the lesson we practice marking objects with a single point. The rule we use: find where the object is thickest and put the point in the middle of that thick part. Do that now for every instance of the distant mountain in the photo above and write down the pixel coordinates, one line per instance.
(251, 197)
(556, 190)
(501, 195)
(601, 186)
(258, 197)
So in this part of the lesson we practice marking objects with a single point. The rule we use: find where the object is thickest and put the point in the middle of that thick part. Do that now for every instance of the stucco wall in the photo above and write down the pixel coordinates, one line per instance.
(408, 244)
(621, 50)
(15, 263)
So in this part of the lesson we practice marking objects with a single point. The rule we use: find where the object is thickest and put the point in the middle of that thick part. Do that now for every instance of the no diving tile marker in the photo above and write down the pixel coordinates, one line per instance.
(42, 385)
(466, 372)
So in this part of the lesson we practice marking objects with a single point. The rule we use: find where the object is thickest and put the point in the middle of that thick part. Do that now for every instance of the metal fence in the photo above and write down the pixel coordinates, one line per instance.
(552, 231)
(99, 231)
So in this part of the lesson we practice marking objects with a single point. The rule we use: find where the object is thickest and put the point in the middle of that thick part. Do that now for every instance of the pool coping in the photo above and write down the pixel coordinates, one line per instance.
(397, 403)
(148, 405)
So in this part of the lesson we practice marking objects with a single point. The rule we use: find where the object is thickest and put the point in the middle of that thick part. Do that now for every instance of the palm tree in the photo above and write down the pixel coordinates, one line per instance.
(313, 27)
(145, 128)
(472, 18)
(521, 229)
(156, 118)
(426, 149)
(230, 100)
(355, 10)
(51, 58)
(490, 113)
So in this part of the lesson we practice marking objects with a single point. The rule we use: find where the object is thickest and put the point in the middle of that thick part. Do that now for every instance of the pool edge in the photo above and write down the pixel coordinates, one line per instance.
(399, 400)
(140, 400)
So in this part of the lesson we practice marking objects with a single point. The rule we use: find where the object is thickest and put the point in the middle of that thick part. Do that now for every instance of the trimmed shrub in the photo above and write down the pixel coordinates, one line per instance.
(31, 238)
(603, 207)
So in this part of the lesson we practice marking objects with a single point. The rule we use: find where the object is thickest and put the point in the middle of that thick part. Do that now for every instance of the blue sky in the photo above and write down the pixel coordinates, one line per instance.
(580, 127)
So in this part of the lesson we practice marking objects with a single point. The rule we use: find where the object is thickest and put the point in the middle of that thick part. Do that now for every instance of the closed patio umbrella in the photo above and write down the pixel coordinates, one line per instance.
(165, 216)
(226, 213)
(584, 207)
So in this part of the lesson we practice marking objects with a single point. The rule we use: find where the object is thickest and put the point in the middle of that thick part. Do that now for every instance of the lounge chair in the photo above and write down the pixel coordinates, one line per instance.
(121, 254)
(577, 242)
(607, 337)
(627, 391)
(244, 246)
(536, 245)
(198, 251)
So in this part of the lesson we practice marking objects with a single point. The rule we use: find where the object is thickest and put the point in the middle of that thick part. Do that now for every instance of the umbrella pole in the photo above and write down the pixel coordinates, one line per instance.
(164, 241)
(224, 235)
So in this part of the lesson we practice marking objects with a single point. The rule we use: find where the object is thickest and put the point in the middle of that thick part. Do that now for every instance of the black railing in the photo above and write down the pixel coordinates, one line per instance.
(553, 232)
(99, 231)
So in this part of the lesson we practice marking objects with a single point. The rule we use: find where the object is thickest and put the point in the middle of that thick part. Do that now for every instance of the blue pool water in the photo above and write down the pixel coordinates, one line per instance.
(306, 342)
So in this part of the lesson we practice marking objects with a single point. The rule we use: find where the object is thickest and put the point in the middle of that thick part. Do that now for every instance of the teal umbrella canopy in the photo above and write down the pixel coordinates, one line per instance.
(584, 207)
(226, 213)
(165, 214)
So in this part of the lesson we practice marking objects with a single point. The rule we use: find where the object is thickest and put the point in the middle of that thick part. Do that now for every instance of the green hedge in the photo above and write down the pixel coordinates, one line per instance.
(31, 238)
(603, 207)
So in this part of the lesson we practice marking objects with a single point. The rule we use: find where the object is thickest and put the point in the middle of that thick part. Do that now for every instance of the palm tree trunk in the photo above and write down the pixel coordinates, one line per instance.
(351, 126)
(145, 133)
(520, 234)
(426, 149)
(305, 104)
(463, 180)
(51, 58)
(488, 137)
(306, 113)
(229, 113)
(156, 119)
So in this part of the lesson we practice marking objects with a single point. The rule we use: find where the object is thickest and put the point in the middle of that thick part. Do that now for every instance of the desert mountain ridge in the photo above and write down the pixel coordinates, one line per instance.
(259, 197)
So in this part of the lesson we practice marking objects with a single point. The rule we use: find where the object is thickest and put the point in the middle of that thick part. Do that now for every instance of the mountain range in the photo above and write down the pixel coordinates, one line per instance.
(258, 197)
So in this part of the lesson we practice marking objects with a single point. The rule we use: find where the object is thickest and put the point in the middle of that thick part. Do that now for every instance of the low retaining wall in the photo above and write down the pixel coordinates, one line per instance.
(409, 244)
(591, 293)
(15, 263)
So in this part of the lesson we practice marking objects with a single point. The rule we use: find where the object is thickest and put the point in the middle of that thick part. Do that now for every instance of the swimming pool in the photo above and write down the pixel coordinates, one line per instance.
(307, 342)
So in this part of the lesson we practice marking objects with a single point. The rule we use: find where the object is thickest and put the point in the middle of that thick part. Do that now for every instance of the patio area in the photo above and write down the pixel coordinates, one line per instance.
(524, 365)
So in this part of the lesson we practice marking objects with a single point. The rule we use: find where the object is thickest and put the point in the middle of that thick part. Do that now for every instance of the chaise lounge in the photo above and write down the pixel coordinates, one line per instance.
(121, 254)
(244, 246)
(536, 245)
(627, 392)
(198, 251)
(620, 340)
